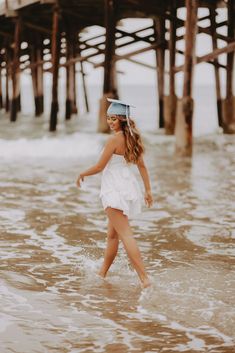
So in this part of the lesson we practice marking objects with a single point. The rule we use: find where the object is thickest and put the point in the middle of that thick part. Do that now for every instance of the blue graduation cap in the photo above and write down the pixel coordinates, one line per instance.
(118, 107)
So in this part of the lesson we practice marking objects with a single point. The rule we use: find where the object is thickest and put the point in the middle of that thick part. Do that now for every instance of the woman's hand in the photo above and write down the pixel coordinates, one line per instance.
(148, 198)
(79, 180)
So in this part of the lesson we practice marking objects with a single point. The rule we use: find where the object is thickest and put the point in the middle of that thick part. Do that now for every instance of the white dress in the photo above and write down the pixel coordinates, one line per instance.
(120, 188)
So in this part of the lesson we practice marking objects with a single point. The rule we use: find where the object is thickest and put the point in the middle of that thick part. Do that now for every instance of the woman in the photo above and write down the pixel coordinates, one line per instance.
(120, 192)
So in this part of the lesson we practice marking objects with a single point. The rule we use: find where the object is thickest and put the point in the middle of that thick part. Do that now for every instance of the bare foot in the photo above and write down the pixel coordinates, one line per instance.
(146, 283)
(100, 274)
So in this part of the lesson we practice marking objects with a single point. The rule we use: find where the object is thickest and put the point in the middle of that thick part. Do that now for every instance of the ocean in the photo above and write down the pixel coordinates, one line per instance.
(52, 237)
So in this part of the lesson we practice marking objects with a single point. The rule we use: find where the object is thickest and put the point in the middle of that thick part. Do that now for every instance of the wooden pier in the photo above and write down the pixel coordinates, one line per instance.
(31, 31)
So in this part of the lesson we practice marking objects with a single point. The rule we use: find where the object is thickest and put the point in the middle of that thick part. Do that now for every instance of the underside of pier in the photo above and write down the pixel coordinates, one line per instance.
(44, 36)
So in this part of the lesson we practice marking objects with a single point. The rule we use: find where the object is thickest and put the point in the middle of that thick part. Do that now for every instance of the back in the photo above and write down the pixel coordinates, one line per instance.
(120, 144)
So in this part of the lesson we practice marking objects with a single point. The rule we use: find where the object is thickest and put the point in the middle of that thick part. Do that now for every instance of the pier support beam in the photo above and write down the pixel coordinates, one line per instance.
(183, 131)
(1, 101)
(159, 34)
(229, 102)
(170, 102)
(74, 99)
(6, 58)
(70, 86)
(109, 87)
(55, 53)
(216, 62)
(83, 75)
(84, 87)
(37, 75)
(71, 43)
(15, 74)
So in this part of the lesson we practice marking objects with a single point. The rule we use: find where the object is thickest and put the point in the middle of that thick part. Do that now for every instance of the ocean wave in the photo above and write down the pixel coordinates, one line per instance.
(77, 145)
(88, 144)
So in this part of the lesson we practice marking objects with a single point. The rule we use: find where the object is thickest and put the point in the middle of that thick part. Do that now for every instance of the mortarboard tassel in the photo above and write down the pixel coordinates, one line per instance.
(128, 121)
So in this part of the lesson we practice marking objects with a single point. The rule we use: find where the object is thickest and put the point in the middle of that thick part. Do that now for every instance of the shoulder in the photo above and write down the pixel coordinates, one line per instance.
(110, 144)
(112, 141)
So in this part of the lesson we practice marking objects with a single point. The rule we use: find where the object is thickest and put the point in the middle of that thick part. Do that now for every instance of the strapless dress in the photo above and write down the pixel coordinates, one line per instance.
(120, 188)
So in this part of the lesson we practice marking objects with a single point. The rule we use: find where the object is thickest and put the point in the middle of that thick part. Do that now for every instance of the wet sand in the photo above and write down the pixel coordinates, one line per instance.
(53, 237)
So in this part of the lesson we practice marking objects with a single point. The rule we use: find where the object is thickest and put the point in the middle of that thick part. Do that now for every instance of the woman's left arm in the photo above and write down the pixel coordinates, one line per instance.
(104, 158)
(145, 177)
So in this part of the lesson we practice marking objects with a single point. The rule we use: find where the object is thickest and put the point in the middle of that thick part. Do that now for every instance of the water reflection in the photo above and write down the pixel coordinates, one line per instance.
(52, 242)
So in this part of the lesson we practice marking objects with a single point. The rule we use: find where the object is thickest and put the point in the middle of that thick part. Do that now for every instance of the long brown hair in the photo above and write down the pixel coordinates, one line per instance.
(134, 145)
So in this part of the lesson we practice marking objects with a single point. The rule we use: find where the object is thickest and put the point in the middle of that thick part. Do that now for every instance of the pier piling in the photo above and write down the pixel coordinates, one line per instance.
(170, 103)
(15, 73)
(228, 103)
(185, 109)
(7, 63)
(109, 86)
(159, 34)
(216, 64)
(70, 87)
(1, 100)
(55, 53)
(26, 26)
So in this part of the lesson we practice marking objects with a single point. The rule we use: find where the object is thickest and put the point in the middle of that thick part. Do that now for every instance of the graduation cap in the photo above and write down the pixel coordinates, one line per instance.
(118, 107)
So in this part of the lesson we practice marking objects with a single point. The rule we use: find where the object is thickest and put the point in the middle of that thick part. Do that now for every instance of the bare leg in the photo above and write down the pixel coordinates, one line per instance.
(110, 251)
(122, 227)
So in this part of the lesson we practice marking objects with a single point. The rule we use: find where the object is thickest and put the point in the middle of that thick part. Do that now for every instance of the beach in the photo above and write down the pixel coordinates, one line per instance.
(53, 239)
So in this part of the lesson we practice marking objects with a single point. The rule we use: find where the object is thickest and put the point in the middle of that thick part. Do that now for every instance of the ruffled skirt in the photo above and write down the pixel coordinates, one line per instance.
(120, 190)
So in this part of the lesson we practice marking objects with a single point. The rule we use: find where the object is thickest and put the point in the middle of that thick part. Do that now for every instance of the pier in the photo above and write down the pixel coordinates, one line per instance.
(47, 35)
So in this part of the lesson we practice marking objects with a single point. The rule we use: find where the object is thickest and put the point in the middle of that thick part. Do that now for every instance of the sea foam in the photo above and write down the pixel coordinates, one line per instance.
(77, 145)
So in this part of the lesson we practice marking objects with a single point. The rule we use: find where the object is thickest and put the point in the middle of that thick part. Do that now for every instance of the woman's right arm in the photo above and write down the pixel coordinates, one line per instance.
(145, 177)
(104, 158)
